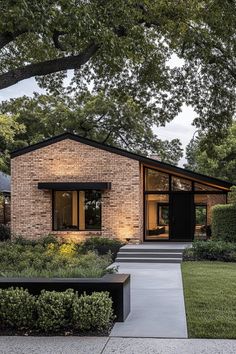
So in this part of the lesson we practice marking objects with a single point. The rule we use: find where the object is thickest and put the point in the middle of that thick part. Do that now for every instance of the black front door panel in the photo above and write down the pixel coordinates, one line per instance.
(182, 216)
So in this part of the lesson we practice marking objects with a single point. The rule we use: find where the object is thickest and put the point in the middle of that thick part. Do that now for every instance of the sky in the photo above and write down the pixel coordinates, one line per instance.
(181, 127)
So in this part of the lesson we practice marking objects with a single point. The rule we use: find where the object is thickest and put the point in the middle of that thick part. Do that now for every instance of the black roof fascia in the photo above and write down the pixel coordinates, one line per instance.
(145, 160)
(61, 186)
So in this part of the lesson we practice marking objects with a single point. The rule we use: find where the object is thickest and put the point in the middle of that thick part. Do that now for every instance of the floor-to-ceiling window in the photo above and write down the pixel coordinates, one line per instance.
(156, 205)
(160, 213)
(157, 217)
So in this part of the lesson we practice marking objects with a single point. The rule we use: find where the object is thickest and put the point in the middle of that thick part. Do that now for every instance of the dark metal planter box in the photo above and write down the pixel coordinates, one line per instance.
(118, 285)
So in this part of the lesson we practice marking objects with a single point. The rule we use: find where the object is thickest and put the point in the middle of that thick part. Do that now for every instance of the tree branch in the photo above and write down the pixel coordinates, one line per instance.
(48, 67)
(55, 38)
(7, 37)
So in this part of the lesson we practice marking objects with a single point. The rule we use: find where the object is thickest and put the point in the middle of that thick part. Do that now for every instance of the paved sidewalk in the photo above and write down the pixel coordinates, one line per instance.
(105, 345)
(157, 302)
(169, 346)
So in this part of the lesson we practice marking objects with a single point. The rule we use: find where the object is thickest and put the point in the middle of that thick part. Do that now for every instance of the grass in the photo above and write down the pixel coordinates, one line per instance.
(210, 299)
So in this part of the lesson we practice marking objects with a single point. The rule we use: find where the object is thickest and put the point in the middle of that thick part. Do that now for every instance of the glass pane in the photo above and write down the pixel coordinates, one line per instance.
(157, 217)
(180, 184)
(163, 214)
(203, 187)
(89, 210)
(156, 181)
(203, 229)
(65, 210)
(200, 214)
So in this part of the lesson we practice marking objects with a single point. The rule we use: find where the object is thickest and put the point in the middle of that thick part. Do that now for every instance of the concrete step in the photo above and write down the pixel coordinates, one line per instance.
(148, 260)
(147, 250)
(149, 254)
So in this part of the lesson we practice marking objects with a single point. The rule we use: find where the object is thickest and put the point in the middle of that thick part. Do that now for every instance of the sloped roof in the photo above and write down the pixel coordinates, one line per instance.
(145, 160)
(5, 183)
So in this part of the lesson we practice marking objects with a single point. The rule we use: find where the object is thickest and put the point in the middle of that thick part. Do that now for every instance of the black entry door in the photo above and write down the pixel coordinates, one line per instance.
(182, 216)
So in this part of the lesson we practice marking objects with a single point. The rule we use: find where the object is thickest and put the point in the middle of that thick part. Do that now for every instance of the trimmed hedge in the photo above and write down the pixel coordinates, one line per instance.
(17, 308)
(92, 311)
(53, 312)
(224, 222)
(211, 250)
(54, 309)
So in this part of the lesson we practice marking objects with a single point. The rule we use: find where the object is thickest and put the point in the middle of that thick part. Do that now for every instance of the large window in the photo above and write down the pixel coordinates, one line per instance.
(77, 210)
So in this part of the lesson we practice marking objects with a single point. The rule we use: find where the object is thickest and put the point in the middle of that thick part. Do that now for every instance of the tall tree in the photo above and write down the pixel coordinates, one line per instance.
(215, 159)
(126, 45)
(117, 120)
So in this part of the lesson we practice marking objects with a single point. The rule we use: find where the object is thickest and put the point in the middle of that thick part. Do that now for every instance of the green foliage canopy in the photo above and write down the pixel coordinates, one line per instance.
(216, 159)
(117, 120)
(126, 46)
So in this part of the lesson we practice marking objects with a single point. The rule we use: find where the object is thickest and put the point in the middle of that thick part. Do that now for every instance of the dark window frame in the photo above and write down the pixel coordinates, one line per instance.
(171, 175)
(78, 228)
(219, 191)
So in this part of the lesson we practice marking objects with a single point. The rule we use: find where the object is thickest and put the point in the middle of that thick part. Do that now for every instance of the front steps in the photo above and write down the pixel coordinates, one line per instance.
(139, 254)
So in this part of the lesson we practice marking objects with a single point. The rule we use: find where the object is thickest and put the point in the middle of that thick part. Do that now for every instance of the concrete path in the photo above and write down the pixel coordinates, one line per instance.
(157, 302)
(104, 345)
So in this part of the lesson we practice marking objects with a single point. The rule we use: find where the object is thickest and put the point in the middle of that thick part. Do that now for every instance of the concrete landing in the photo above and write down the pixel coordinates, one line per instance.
(157, 302)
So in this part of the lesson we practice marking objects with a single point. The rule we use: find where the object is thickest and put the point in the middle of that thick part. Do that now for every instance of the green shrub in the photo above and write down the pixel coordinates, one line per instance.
(54, 310)
(211, 250)
(224, 222)
(101, 245)
(93, 312)
(50, 260)
(44, 240)
(5, 233)
(17, 308)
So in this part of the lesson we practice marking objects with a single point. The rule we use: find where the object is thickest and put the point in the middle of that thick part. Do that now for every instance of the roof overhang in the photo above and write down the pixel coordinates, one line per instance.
(69, 186)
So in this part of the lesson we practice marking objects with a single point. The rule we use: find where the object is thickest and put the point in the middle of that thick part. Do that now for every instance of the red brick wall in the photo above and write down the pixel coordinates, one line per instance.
(70, 161)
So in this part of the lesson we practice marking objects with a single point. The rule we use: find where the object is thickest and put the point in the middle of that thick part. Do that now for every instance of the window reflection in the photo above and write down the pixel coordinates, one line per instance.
(156, 181)
(77, 210)
(180, 184)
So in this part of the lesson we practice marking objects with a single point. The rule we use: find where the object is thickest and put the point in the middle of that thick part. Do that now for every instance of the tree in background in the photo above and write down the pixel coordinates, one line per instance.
(10, 128)
(115, 120)
(216, 159)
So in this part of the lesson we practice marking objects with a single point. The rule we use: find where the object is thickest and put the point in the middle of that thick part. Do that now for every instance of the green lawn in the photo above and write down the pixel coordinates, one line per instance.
(210, 299)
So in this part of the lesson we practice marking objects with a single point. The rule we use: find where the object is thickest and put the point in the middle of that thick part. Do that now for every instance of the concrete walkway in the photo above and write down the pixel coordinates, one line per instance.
(157, 302)
(104, 345)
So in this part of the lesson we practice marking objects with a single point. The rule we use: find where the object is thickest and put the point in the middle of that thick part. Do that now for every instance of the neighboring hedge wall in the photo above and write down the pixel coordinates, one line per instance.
(224, 222)
(54, 312)
(211, 250)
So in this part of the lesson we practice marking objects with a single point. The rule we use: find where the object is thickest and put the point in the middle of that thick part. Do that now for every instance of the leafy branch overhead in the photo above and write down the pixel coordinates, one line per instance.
(126, 46)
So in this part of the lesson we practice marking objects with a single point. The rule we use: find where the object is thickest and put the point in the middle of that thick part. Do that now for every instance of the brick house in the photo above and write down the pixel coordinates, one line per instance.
(77, 188)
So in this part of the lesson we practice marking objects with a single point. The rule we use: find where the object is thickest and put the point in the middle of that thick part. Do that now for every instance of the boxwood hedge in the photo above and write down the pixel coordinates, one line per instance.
(224, 222)
(54, 312)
